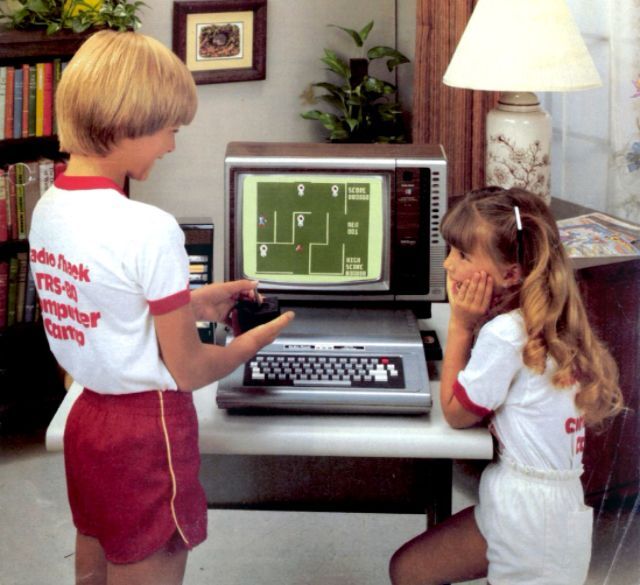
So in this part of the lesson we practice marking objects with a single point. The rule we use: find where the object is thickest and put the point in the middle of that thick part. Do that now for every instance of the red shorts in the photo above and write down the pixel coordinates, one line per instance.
(132, 464)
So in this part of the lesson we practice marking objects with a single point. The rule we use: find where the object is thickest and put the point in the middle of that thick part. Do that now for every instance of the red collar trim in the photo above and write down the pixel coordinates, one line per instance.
(72, 183)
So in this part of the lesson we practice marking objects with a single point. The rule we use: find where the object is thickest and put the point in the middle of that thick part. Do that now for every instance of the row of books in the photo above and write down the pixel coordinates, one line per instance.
(27, 99)
(21, 185)
(18, 299)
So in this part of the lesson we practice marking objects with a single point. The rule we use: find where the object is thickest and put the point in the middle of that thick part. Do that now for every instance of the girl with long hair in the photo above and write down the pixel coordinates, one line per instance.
(521, 355)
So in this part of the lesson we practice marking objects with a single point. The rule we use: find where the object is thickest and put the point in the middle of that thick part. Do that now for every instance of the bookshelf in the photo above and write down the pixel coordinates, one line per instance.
(198, 241)
(31, 384)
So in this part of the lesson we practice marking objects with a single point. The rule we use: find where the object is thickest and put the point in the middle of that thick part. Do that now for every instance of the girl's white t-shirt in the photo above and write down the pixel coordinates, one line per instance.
(103, 265)
(537, 424)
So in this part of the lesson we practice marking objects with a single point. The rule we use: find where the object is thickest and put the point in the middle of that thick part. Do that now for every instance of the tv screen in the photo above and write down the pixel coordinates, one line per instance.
(313, 230)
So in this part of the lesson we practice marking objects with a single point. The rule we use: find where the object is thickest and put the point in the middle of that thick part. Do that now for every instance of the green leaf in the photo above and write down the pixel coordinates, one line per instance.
(379, 52)
(79, 24)
(19, 16)
(395, 138)
(356, 99)
(378, 86)
(393, 63)
(339, 134)
(375, 88)
(39, 6)
(352, 123)
(395, 57)
(330, 121)
(364, 33)
(389, 115)
(311, 115)
(357, 39)
(373, 85)
(336, 64)
(53, 27)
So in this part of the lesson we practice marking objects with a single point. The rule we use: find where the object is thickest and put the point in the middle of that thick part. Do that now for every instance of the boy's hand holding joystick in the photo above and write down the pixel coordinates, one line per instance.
(251, 312)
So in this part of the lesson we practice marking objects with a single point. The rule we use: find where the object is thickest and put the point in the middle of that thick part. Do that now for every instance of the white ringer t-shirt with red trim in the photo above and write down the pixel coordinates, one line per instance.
(536, 424)
(103, 266)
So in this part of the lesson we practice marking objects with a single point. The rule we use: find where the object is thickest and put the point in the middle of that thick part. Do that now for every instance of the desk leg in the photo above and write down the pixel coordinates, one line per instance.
(437, 475)
(438, 480)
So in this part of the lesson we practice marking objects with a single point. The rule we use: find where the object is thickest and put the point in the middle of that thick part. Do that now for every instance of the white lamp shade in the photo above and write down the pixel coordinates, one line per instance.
(522, 45)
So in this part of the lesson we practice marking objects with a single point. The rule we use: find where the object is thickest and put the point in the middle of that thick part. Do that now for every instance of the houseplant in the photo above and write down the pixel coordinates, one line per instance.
(76, 15)
(365, 108)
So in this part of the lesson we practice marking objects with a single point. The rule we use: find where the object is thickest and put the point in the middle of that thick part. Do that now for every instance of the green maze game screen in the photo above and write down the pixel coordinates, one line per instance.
(313, 229)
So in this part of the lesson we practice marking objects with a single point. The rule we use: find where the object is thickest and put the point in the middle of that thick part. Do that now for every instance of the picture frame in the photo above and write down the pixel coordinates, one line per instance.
(221, 41)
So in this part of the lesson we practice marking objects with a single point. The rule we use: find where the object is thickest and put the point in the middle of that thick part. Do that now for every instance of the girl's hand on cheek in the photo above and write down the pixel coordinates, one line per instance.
(471, 301)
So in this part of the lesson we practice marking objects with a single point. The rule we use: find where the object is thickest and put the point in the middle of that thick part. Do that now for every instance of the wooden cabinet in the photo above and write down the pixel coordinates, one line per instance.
(611, 293)
(30, 382)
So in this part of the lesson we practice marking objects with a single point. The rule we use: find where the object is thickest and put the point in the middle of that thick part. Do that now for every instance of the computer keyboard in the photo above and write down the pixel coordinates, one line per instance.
(343, 360)
(346, 371)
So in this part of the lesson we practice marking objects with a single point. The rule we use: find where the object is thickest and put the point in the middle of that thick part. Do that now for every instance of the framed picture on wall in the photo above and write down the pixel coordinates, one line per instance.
(221, 40)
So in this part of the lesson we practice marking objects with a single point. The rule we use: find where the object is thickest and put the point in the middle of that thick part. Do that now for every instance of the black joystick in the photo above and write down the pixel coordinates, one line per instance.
(251, 313)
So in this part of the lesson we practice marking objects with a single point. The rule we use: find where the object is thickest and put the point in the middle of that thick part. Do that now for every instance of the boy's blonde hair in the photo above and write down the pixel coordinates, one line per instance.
(121, 85)
(554, 315)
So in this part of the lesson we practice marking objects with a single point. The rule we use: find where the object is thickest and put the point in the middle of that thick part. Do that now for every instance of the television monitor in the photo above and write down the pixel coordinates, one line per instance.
(337, 223)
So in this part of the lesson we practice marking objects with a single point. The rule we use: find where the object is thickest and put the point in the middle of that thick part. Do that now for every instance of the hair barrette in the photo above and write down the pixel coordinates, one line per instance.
(516, 210)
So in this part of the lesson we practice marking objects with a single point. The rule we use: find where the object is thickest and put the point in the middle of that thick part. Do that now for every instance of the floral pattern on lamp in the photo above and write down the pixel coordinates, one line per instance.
(518, 145)
(510, 165)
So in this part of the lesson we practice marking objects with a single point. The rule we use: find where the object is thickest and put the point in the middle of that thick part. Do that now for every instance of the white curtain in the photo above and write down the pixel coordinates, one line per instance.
(596, 146)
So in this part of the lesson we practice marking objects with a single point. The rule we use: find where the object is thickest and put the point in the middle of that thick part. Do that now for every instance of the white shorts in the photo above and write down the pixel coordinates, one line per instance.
(537, 528)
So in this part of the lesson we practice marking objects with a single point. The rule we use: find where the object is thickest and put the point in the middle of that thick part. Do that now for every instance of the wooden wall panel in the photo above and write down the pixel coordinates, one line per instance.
(445, 115)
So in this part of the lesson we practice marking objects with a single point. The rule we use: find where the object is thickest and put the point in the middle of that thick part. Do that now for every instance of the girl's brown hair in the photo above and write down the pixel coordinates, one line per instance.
(554, 315)
(121, 85)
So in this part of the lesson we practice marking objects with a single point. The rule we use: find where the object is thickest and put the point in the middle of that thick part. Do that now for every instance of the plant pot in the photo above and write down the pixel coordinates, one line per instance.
(359, 70)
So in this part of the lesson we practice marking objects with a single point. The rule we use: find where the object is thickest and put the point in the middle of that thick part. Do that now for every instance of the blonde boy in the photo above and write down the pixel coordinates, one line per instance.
(112, 276)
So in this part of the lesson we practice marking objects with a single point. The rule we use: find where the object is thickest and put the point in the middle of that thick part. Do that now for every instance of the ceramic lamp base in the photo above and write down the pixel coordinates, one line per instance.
(519, 144)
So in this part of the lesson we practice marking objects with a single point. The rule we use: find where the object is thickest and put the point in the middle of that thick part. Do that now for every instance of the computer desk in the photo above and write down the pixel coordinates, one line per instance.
(404, 463)
(373, 463)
